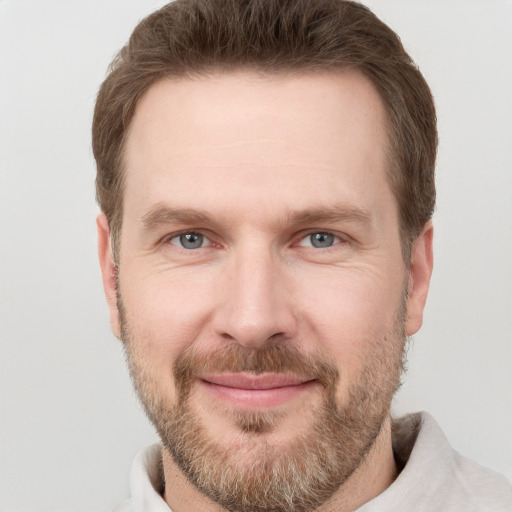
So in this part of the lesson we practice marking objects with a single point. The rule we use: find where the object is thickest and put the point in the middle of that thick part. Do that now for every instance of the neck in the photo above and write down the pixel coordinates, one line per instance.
(371, 478)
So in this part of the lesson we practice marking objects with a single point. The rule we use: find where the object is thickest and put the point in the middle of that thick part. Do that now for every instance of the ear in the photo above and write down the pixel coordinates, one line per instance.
(108, 272)
(420, 270)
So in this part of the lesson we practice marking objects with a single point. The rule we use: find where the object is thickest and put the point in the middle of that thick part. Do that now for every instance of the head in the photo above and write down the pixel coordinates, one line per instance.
(265, 173)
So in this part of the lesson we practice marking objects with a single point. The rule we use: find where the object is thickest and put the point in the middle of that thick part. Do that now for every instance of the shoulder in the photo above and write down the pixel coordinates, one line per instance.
(126, 506)
(484, 488)
(434, 477)
(454, 481)
(146, 483)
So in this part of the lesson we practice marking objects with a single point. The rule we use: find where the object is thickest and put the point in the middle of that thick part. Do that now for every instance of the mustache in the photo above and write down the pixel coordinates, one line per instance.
(235, 358)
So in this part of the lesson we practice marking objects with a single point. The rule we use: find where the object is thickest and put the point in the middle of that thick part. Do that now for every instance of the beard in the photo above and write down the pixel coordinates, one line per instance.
(253, 474)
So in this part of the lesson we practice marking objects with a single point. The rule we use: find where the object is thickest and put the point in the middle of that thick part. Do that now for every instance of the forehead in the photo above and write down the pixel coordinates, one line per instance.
(287, 134)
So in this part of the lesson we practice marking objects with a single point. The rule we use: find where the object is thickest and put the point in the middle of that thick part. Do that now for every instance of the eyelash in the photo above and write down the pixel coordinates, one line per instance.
(177, 236)
(337, 239)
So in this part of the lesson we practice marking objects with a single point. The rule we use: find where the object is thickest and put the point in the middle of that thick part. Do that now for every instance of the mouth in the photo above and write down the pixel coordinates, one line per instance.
(249, 392)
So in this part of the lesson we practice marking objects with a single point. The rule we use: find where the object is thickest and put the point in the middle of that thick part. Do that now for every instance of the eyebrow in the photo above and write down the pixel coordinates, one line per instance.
(330, 214)
(163, 215)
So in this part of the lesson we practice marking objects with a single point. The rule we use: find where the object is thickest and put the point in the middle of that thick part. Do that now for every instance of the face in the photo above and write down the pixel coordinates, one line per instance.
(262, 296)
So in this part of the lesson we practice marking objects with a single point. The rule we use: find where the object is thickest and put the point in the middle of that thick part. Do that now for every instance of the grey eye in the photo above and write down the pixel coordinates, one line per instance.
(190, 241)
(321, 239)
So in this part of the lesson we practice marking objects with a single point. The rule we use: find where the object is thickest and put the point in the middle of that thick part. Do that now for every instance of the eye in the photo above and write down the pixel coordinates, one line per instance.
(319, 240)
(190, 240)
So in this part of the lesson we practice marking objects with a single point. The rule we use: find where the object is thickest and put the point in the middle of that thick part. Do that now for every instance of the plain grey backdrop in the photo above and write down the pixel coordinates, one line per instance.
(69, 421)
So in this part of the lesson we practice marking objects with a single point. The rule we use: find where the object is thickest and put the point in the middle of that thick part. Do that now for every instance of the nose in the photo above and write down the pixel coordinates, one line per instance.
(256, 303)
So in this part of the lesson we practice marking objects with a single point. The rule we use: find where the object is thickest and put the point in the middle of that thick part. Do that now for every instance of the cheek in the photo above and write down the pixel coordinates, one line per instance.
(164, 315)
(349, 312)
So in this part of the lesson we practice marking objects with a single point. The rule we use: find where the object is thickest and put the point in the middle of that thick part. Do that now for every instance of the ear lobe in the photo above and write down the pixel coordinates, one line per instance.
(108, 271)
(420, 271)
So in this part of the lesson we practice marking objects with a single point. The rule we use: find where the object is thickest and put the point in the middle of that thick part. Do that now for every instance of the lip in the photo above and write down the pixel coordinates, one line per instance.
(246, 391)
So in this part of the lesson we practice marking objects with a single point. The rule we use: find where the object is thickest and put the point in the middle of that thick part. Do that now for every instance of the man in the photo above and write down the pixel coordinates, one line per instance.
(266, 180)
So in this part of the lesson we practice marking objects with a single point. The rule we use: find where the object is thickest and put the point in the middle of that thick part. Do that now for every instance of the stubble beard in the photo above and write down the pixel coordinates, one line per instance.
(259, 477)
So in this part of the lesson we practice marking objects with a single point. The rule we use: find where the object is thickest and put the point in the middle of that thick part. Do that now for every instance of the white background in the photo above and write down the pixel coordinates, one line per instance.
(69, 422)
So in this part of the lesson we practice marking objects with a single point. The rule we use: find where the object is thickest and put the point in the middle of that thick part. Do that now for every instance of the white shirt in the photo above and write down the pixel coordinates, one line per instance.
(435, 478)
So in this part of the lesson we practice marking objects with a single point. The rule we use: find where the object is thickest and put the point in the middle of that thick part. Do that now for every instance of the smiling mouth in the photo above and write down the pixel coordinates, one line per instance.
(246, 391)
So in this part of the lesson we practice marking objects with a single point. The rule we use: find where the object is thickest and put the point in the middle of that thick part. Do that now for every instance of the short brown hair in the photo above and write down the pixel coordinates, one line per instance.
(191, 37)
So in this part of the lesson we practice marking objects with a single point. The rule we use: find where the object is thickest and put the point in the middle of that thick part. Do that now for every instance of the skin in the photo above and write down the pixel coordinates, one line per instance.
(255, 165)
